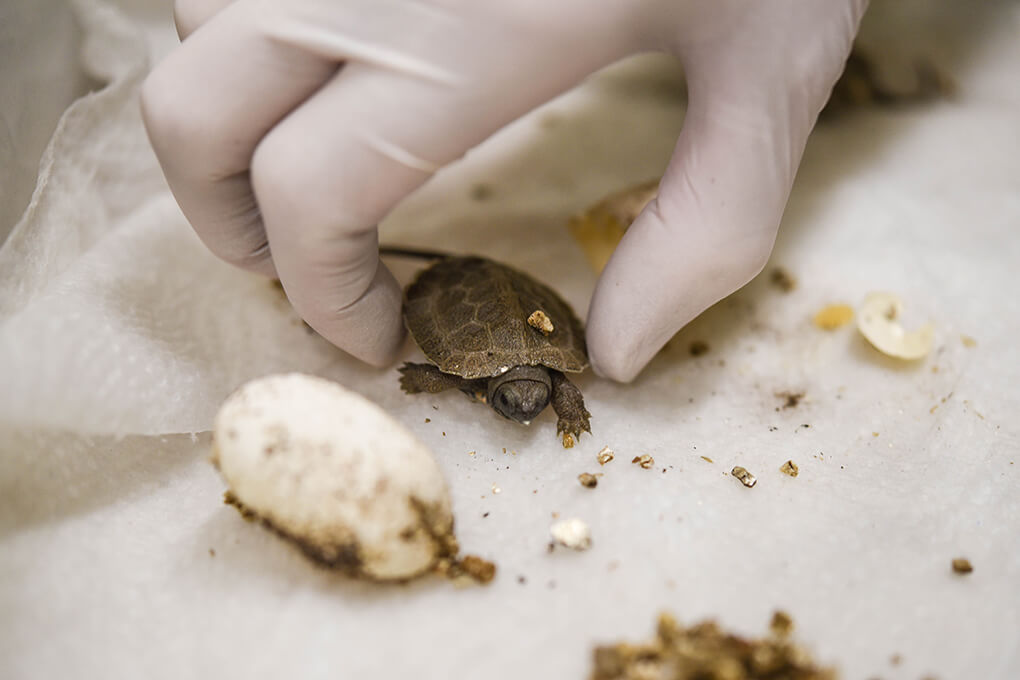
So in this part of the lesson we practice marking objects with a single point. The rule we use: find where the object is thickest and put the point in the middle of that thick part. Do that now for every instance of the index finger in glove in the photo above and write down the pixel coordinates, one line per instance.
(207, 106)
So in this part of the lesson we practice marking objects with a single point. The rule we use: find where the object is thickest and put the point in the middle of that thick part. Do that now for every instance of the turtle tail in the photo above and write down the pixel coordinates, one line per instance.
(397, 251)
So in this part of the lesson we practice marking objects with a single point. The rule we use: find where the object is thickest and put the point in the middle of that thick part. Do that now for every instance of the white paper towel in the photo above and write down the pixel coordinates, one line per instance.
(120, 335)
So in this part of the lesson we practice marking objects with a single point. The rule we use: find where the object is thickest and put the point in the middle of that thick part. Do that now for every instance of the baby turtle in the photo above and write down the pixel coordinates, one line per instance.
(499, 336)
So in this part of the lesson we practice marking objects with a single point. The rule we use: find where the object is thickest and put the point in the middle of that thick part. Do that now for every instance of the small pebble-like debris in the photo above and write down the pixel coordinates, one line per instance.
(644, 461)
(605, 455)
(745, 477)
(706, 652)
(482, 571)
(588, 480)
(789, 468)
(572, 533)
(790, 399)
(481, 192)
(781, 624)
(968, 341)
(961, 565)
(697, 348)
(541, 321)
(782, 279)
(467, 569)
(706, 458)
(496, 489)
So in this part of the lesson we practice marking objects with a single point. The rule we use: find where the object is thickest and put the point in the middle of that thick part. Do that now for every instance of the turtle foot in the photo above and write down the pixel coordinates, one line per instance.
(568, 403)
(418, 378)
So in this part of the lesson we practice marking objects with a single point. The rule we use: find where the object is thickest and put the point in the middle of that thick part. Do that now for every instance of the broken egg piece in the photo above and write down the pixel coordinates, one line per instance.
(877, 320)
(336, 475)
(598, 229)
(572, 533)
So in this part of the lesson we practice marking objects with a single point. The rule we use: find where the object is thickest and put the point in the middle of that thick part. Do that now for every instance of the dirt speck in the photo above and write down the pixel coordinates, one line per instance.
(481, 192)
(706, 458)
(790, 399)
(961, 565)
(782, 279)
(588, 480)
(789, 468)
(968, 341)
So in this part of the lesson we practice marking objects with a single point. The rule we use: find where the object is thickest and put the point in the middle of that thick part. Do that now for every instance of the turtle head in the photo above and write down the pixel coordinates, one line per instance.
(521, 393)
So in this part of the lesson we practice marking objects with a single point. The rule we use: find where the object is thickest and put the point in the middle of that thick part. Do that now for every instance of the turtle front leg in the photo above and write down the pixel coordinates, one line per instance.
(569, 406)
(417, 378)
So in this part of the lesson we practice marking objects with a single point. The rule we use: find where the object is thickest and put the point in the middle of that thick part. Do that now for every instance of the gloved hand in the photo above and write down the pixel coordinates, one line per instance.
(288, 130)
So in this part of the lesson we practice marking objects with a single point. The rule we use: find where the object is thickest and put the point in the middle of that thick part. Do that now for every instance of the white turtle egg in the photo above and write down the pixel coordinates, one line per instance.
(335, 474)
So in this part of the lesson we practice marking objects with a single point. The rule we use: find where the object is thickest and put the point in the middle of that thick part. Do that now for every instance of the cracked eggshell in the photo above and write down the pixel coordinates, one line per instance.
(877, 320)
(331, 471)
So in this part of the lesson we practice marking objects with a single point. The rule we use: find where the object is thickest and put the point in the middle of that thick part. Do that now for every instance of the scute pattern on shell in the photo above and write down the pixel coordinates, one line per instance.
(469, 316)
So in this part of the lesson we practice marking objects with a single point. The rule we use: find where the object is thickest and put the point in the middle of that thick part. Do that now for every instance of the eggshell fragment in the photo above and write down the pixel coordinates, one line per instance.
(332, 472)
(599, 229)
(877, 322)
(572, 533)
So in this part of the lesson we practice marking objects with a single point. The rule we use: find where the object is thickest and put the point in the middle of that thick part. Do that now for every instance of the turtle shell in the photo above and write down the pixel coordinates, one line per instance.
(469, 315)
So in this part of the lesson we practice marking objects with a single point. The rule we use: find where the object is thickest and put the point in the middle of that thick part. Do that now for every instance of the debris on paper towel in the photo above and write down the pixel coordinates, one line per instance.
(571, 533)
(790, 399)
(605, 455)
(588, 480)
(961, 565)
(598, 229)
(697, 348)
(745, 477)
(831, 317)
(334, 474)
(644, 461)
(790, 468)
(706, 652)
(782, 279)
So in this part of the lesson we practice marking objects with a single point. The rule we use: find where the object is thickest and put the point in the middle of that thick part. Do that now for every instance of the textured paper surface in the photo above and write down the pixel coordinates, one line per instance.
(120, 335)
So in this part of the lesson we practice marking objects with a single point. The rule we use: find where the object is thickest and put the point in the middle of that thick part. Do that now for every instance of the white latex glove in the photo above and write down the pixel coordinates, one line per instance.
(287, 130)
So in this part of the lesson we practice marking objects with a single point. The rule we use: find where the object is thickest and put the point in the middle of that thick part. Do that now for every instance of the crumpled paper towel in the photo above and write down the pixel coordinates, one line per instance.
(120, 335)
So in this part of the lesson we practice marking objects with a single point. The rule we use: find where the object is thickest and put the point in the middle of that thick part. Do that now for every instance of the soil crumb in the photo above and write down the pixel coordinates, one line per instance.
(790, 399)
(961, 565)
(588, 480)
(789, 468)
(782, 279)
(469, 568)
(481, 192)
(705, 652)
